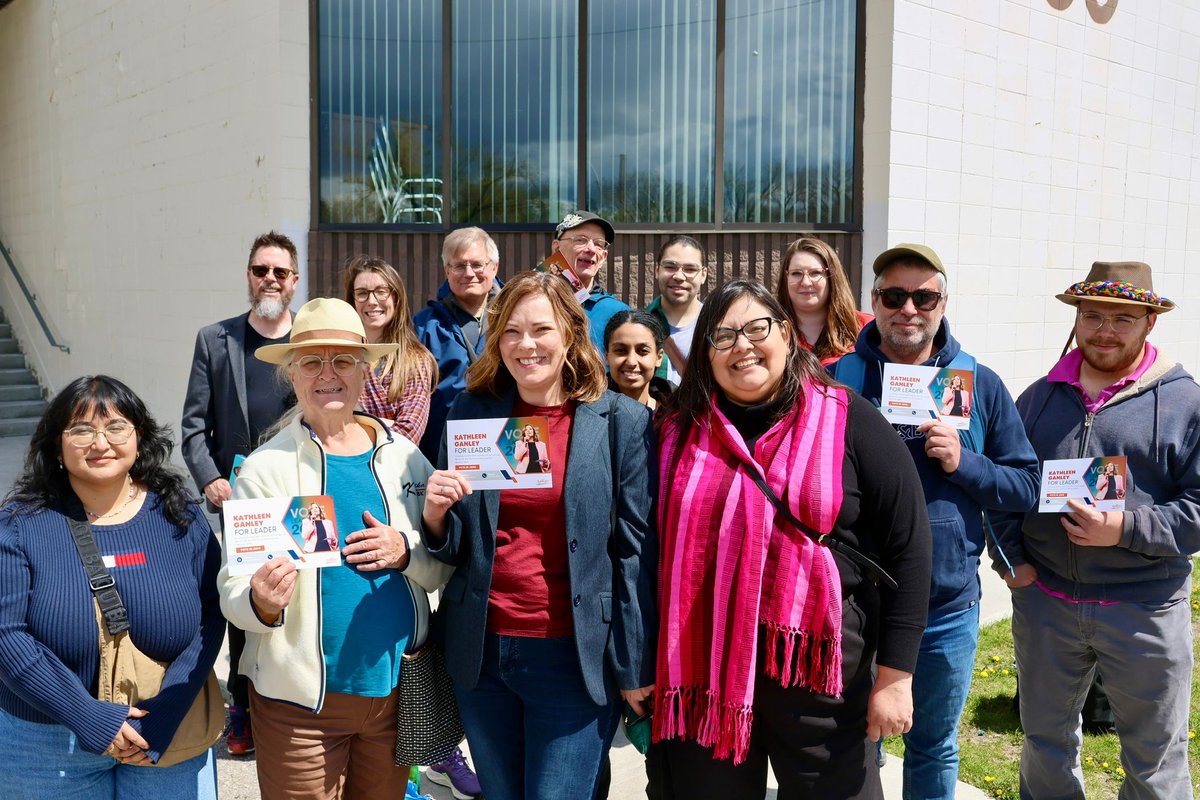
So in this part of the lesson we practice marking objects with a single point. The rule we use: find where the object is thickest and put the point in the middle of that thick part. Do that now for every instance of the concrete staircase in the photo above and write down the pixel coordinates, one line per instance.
(21, 403)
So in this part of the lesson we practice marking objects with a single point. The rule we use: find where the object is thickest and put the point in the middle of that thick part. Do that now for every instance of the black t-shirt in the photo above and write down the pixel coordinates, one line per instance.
(268, 395)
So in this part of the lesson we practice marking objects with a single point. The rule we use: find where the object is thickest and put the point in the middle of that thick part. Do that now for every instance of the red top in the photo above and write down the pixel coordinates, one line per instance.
(863, 319)
(531, 584)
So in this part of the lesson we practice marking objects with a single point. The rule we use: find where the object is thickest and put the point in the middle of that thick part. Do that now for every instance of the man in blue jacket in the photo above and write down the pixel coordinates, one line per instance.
(583, 238)
(964, 474)
(453, 326)
(1109, 589)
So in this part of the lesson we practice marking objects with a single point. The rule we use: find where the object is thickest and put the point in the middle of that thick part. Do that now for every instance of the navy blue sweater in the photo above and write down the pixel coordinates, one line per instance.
(49, 642)
(1003, 477)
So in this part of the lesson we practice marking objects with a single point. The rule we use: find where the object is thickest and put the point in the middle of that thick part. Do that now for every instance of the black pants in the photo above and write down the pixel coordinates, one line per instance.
(238, 685)
(817, 745)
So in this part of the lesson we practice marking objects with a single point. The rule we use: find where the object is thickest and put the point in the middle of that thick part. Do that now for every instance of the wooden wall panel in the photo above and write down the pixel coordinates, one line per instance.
(629, 273)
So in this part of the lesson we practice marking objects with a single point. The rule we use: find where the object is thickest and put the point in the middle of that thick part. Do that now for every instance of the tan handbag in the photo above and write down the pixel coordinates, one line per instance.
(128, 676)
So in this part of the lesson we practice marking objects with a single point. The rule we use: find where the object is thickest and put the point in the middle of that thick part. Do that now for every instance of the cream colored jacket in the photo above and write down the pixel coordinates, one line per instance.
(286, 660)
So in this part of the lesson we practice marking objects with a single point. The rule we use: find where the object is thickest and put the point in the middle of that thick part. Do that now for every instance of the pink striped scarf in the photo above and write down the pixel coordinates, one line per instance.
(717, 536)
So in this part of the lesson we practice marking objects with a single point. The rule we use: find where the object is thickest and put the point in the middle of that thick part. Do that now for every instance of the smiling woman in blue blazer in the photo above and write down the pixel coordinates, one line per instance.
(549, 618)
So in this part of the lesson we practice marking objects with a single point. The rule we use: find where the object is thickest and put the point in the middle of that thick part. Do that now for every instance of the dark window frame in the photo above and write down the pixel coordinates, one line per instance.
(717, 225)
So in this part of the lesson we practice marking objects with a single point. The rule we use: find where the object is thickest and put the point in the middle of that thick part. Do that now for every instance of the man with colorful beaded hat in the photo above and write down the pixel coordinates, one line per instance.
(1108, 590)
(583, 239)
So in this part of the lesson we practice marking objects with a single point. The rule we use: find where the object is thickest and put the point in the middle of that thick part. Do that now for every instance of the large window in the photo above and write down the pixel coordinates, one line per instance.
(704, 113)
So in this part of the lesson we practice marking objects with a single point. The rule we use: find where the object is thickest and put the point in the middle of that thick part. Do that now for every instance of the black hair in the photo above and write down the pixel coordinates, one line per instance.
(686, 241)
(693, 398)
(643, 318)
(44, 483)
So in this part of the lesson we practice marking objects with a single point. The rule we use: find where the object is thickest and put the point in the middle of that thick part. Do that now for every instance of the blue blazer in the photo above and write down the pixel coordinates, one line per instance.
(613, 568)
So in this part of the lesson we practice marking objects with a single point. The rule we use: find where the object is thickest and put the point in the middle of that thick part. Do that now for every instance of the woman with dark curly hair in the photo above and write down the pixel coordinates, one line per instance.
(98, 452)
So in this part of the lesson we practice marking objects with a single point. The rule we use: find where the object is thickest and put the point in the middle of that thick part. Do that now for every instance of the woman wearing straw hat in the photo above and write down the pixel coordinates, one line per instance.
(323, 647)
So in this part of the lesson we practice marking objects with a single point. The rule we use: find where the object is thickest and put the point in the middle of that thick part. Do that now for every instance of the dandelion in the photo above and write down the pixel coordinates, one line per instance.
(988, 778)
(1104, 764)
(996, 659)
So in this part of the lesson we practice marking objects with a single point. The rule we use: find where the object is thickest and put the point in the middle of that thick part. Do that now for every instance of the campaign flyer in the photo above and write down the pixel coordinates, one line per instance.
(915, 394)
(557, 264)
(503, 453)
(1098, 482)
(263, 529)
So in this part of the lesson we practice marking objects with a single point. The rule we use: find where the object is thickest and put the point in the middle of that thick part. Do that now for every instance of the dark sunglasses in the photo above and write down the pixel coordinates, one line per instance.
(280, 273)
(923, 299)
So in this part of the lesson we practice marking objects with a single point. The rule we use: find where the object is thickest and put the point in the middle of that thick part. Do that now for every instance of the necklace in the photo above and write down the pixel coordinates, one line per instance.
(134, 493)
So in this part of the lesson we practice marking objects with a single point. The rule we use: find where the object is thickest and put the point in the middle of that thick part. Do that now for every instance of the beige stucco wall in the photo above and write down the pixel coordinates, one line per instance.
(142, 148)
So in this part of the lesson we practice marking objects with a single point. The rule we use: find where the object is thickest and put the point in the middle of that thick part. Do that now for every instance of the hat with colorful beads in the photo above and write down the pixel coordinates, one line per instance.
(1118, 282)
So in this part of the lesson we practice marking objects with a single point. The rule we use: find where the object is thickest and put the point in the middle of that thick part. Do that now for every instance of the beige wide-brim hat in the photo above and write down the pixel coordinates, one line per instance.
(324, 322)
(1126, 282)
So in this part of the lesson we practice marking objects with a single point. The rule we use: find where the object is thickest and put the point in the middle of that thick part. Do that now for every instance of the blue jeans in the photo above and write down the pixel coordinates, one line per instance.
(944, 668)
(44, 762)
(534, 731)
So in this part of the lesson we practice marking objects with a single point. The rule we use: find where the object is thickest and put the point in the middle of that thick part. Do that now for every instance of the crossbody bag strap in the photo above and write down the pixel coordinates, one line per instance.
(116, 618)
(827, 539)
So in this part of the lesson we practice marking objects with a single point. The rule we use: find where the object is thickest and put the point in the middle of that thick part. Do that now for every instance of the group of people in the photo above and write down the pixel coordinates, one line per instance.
(734, 540)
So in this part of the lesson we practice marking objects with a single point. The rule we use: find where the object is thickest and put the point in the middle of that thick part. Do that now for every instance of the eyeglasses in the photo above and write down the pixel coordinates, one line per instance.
(280, 273)
(688, 270)
(812, 275)
(461, 267)
(1120, 323)
(380, 293)
(579, 242)
(84, 435)
(343, 364)
(923, 299)
(755, 331)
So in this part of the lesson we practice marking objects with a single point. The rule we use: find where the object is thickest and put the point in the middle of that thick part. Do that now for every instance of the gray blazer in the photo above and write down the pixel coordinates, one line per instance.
(612, 567)
(216, 423)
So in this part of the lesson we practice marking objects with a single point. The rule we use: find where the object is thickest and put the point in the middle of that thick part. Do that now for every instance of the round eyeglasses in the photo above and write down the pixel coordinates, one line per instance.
(85, 435)
(343, 364)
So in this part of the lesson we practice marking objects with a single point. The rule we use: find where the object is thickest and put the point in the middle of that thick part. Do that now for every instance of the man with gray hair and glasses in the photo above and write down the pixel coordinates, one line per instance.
(1104, 583)
(453, 326)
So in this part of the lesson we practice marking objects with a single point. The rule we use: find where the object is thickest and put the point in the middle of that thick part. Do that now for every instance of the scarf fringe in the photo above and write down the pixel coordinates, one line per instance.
(690, 712)
(810, 661)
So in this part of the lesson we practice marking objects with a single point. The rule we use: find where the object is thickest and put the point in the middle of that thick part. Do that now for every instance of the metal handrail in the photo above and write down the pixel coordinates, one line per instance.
(32, 300)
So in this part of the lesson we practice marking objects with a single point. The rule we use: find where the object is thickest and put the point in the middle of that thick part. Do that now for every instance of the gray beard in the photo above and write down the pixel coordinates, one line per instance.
(271, 308)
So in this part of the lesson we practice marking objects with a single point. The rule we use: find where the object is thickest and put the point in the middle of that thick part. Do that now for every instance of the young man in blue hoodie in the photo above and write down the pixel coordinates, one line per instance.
(583, 238)
(1109, 590)
(964, 474)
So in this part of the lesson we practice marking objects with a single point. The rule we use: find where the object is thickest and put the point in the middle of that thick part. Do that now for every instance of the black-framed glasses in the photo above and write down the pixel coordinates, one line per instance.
(895, 297)
(461, 267)
(380, 293)
(755, 331)
(579, 241)
(689, 270)
(343, 364)
(1120, 323)
(84, 435)
(280, 273)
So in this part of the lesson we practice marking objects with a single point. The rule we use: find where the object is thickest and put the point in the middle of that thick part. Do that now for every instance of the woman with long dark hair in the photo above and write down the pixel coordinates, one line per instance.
(812, 288)
(98, 455)
(397, 389)
(768, 634)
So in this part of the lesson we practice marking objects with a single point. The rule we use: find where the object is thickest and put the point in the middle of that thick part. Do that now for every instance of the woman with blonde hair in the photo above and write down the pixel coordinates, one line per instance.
(549, 618)
(814, 291)
(398, 388)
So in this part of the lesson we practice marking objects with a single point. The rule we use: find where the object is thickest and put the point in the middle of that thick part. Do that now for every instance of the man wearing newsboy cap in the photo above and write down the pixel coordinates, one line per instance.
(1109, 589)
(583, 238)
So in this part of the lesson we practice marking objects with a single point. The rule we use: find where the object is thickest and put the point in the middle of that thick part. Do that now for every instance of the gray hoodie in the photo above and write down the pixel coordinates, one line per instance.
(1155, 423)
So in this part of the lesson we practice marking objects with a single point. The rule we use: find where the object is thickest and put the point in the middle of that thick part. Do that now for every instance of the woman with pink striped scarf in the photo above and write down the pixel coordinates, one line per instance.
(768, 634)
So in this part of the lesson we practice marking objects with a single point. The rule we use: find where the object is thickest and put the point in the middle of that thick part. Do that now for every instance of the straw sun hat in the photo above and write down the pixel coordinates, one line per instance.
(324, 322)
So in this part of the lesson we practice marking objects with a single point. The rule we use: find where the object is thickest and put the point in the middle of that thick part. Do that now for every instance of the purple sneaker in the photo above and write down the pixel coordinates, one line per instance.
(456, 773)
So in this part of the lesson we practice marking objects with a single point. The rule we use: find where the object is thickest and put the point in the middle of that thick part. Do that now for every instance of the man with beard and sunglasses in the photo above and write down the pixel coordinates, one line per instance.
(1108, 590)
(232, 398)
(964, 474)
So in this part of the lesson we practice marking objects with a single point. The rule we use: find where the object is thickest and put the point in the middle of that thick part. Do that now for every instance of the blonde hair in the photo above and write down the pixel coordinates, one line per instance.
(841, 317)
(583, 376)
(410, 355)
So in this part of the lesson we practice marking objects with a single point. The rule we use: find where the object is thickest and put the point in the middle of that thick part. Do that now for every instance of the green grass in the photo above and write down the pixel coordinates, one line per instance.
(989, 734)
